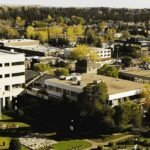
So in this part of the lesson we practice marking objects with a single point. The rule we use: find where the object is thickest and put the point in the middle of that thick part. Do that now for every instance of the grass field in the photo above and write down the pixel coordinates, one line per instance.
(106, 138)
(7, 122)
(71, 144)
(7, 141)
(5, 118)
(10, 124)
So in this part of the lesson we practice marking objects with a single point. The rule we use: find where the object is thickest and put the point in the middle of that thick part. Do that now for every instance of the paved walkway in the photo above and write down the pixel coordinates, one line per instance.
(95, 144)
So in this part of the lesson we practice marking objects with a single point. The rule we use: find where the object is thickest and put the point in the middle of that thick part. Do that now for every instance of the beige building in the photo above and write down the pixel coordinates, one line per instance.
(19, 42)
(118, 89)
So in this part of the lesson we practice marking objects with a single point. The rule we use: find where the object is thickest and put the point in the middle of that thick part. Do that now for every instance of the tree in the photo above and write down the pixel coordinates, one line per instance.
(61, 72)
(147, 116)
(30, 32)
(58, 42)
(126, 34)
(60, 20)
(146, 95)
(77, 20)
(42, 68)
(12, 33)
(20, 22)
(93, 97)
(126, 61)
(70, 33)
(102, 26)
(128, 113)
(78, 30)
(108, 71)
(55, 31)
(92, 104)
(43, 36)
(83, 52)
(15, 144)
(49, 18)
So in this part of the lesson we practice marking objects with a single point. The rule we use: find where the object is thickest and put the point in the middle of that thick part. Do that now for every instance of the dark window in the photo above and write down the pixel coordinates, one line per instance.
(51, 88)
(6, 64)
(110, 103)
(59, 90)
(17, 63)
(1, 65)
(17, 74)
(7, 75)
(1, 76)
(7, 88)
(74, 94)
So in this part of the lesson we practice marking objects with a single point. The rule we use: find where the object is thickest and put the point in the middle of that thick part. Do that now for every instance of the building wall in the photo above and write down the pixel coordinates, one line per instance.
(113, 98)
(12, 77)
(68, 90)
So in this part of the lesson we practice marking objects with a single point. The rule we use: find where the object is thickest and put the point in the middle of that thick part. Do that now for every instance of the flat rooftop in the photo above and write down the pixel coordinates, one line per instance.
(38, 48)
(4, 52)
(114, 85)
(139, 72)
(16, 40)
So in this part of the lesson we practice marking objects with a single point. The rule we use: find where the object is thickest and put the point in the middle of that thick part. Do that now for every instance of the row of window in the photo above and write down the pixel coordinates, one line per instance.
(105, 51)
(59, 90)
(13, 75)
(7, 87)
(106, 55)
(13, 64)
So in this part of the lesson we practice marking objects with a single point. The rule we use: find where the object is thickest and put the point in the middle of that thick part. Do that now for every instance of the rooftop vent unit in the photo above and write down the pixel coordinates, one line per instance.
(12, 51)
(62, 77)
(97, 81)
(77, 83)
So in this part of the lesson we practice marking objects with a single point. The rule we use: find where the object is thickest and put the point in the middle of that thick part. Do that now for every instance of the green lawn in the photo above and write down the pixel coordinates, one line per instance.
(106, 138)
(71, 144)
(7, 141)
(10, 124)
(4, 117)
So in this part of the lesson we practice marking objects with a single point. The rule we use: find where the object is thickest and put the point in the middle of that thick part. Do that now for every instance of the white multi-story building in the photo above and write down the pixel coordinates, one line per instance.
(104, 53)
(12, 77)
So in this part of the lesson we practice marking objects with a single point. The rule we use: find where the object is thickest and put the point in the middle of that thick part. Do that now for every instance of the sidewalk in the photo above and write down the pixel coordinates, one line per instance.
(95, 144)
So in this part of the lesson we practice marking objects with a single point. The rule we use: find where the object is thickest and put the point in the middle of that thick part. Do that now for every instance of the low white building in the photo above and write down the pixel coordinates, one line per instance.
(118, 89)
(12, 77)
(104, 53)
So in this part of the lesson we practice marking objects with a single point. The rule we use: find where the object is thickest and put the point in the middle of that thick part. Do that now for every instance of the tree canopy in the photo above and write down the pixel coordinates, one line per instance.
(42, 68)
(108, 70)
(128, 113)
(83, 52)
(93, 97)
(15, 144)
(61, 71)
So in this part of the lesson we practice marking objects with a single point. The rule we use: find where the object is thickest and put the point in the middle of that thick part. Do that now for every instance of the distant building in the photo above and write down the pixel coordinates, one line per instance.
(103, 53)
(29, 47)
(142, 44)
(142, 76)
(12, 77)
(19, 42)
(118, 89)
(85, 66)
